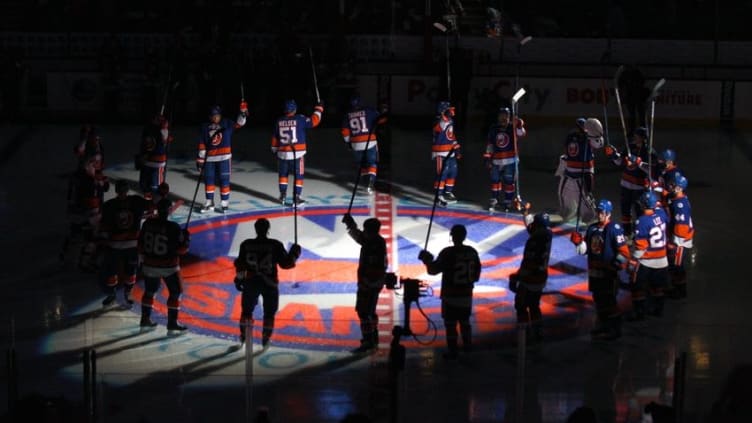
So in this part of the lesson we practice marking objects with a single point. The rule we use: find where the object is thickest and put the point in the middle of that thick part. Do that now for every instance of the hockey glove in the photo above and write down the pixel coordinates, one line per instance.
(425, 256)
(576, 238)
(295, 251)
(610, 151)
(199, 164)
(243, 107)
(348, 220)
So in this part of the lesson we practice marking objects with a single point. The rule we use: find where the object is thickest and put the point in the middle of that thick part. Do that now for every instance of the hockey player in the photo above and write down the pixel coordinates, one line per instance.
(444, 142)
(459, 266)
(607, 253)
(119, 230)
(215, 154)
(649, 264)
(681, 232)
(89, 150)
(152, 157)
(359, 133)
(372, 266)
(578, 172)
(256, 275)
(160, 244)
(87, 188)
(500, 157)
(634, 176)
(289, 145)
(530, 279)
(668, 169)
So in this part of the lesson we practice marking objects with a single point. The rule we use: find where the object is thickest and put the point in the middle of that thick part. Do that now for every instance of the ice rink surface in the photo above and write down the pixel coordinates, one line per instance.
(51, 311)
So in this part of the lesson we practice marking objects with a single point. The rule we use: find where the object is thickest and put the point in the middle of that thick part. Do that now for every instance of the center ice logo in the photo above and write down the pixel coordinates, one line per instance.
(317, 298)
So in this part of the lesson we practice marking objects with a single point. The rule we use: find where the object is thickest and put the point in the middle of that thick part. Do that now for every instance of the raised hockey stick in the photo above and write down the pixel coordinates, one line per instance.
(515, 100)
(604, 102)
(436, 196)
(621, 111)
(441, 27)
(294, 194)
(653, 94)
(362, 162)
(315, 80)
(521, 44)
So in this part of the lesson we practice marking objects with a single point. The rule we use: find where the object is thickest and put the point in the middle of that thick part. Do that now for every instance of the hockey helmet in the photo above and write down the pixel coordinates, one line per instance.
(648, 200)
(505, 111)
(215, 110)
(458, 233)
(262, 226)
(669, 155)
(121, 186)
(290, 106)
(604, 206)
(372, 225)
(542, 219)
(681, 181)
(641, 132)
(163, 207)
(355, 101)
(581, 122)
(443, 107)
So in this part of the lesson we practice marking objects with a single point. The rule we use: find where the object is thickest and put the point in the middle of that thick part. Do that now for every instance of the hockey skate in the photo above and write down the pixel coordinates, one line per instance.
(109, 301)
(283, 199)
(224, 206)
(147, 324)
(492, 204)
(442, 201)
(450, 197)
(209, 206)
(370, 188)
(298, 201)
(365, 347)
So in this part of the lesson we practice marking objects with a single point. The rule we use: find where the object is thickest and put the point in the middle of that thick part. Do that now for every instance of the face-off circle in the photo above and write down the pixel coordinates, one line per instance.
(317, 297)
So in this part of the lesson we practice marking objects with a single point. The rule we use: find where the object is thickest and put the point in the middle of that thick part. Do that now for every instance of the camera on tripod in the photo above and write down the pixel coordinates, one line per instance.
(412, 288)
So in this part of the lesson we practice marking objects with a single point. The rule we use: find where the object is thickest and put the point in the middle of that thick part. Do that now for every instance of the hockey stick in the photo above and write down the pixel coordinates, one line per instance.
(315, 81)
(653, 95)
(604, 101)
(294, 193)
(195, 193)
(436, 196)
(362, 162)
(522, 42)
(515, 100)
(621, 112)
(444, 30)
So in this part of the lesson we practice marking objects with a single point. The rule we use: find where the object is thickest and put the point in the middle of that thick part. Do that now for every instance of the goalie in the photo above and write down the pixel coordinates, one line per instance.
(577, 170)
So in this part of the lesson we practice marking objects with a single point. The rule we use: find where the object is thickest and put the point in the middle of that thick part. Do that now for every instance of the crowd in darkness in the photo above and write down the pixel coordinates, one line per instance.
(676, 19)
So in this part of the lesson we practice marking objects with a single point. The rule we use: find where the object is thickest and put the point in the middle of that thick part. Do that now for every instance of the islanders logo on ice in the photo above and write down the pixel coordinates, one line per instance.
(317, 297)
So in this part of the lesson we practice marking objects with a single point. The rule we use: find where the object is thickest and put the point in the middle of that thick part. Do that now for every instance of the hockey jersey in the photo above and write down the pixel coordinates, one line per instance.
(373, 260)
(155, 139)
(650, 239)
(578, 154)
(258, 259)
(444, 139)
(635, 177)
(606, 249)
(161, 243)
(121, 220)
(500, 148)
(289, 138)
(681, 229)
(358, 128)
(460, 269)
(215, 142)
(534, 266)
